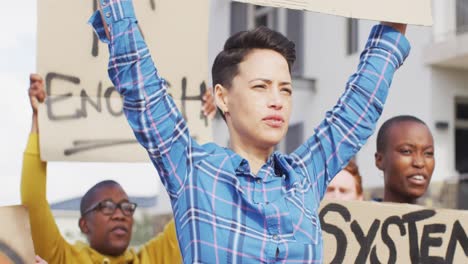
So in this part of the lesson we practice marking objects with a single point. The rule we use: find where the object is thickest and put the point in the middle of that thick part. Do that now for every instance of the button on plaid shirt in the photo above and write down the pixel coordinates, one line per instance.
(223, 212)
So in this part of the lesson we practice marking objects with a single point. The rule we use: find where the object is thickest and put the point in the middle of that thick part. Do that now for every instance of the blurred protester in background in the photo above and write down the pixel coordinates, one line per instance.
(347, 184)
(405, 155)
(106, 212)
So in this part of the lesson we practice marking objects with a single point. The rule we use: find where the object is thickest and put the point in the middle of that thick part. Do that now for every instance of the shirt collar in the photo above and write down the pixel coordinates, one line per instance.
(235, 159)
(241, 165)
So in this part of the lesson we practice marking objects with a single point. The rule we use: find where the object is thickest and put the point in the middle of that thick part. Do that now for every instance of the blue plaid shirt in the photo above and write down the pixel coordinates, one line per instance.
(223, 212)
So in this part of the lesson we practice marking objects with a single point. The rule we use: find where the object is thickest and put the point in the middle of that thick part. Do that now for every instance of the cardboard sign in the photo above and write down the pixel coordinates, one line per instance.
(417, 12)
(82, 119)
(16, 245)
(371, 232)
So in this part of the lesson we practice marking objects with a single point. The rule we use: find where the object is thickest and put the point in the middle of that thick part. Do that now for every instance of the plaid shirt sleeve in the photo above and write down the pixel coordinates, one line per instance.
(352, 121)
(157, 123)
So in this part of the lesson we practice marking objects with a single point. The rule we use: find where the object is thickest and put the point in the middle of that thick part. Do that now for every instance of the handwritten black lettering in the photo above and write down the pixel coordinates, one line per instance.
(341, 241)
(392, 258)
(427, 242)
(184, 98)
(87, 145)
(409, 224)
(364, 241)
(10, 254)
(110, 109)
(100, 102)
(373, 256)
(411, 219)
(52, 101)
(458, 235)
(86, 100)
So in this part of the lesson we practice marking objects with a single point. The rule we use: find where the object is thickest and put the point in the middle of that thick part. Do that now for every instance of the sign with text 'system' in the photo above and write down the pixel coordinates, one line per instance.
(371, 232)
(82, 119)
(417, 12)
(16, 244)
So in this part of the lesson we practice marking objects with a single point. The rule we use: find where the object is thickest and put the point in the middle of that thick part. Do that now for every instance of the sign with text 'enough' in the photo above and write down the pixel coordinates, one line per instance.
(417, 12)
(371, 232)
(82, 119)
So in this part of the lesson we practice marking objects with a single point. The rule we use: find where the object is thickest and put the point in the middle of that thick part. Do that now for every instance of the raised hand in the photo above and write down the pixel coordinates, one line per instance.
(396, 26)
(39, 260)
(209, 106)
(36, 91)
(37, 95)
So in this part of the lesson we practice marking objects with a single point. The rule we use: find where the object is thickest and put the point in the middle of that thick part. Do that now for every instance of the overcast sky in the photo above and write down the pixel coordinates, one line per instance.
(65, 180)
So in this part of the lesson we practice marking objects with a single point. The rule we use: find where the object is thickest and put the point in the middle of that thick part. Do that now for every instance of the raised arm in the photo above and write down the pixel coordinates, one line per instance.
(157, 123)
(352, 121)
(47, 240)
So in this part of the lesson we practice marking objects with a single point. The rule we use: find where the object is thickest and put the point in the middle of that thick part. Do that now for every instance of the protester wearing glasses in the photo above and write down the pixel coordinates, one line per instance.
(106, 215)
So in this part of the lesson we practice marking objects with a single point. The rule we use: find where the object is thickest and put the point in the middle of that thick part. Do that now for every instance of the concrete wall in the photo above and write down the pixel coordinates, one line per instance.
(447, 84)
(444, 16)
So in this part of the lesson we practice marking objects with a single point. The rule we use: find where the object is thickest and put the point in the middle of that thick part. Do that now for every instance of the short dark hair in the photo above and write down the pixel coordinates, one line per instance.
(383, 131)
(90, 195)
(238, 46)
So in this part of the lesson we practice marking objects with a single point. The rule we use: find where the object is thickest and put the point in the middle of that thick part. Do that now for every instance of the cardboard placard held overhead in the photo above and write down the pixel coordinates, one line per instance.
(416, 12)
(82, 119)
(371, 232)
(16, 244)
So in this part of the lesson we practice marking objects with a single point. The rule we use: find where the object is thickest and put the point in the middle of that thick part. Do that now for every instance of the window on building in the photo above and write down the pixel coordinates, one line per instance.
(295, 32)
(352, 38)
(461, 135)
(238, 17)
(462, 16)
(461, 150)
(289, 22)
(264, 16)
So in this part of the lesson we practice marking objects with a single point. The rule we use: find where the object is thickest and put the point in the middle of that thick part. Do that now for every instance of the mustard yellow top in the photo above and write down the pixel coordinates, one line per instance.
(49, 243)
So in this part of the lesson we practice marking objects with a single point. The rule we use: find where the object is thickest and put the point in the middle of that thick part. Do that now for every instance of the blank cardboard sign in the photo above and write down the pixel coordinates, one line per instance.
(417, 12)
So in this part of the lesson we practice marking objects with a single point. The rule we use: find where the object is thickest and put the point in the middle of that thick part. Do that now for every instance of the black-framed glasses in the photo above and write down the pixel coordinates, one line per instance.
(108, 207)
